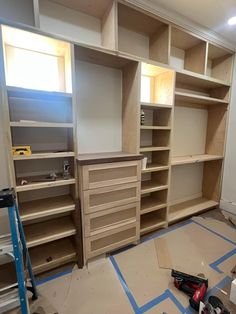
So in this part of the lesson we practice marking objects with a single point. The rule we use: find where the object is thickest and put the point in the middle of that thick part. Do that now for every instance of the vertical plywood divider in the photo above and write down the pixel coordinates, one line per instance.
(131, 107)
(164, 88)
(216, 130)
(222, 68)
(110, 27)
(159, 45)
(212, 180)
(196, 58)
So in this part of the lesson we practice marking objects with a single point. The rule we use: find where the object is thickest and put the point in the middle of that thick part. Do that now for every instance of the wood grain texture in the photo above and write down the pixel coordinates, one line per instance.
(130, 107)
(48, 231)
(195, 58)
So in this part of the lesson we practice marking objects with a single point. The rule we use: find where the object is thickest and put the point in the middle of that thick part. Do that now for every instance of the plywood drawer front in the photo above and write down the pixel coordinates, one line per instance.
(108, 197)
(96, 176)
(111, 218)
(111, 240)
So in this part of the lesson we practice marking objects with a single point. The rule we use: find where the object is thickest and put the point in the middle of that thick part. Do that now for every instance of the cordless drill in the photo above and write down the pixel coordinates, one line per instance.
(195, 287)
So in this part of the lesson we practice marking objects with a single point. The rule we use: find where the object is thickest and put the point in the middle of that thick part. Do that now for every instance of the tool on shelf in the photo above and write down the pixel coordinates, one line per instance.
(193, 286)
(21, 150)
(14, 245)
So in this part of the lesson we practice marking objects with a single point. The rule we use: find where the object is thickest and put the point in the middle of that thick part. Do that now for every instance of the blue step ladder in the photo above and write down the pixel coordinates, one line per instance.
(14, 245)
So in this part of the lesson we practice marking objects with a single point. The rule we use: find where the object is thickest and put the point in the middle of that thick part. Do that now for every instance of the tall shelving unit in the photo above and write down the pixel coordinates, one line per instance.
(45, 121)
(156, 104)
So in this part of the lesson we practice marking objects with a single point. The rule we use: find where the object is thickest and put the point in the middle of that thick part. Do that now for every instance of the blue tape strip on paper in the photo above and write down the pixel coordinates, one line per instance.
(58, 275)
(168, 294)
(216, 233)
(215, 264)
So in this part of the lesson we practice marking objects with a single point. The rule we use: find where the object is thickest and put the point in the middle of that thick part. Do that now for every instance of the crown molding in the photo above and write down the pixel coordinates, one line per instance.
(184, 22)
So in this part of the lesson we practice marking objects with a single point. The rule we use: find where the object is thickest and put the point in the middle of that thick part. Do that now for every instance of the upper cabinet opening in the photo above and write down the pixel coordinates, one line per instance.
(187, 52)
(36, 62)
(157, 85)
(18, 11)
(91, 22)
(220, 63)
(142, 34)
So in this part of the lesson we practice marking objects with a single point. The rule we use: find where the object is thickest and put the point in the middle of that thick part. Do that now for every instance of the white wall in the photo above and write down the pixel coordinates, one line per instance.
(228, 197)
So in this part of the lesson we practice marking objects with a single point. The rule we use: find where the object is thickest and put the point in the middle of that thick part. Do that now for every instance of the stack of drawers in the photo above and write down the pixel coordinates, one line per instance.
(110, 201)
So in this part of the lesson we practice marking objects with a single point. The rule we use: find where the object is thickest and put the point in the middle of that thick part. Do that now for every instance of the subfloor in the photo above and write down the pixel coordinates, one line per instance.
(134, 281)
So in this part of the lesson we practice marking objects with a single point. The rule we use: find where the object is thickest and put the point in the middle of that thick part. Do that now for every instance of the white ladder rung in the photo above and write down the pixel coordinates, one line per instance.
(9, 301)
(6, 246)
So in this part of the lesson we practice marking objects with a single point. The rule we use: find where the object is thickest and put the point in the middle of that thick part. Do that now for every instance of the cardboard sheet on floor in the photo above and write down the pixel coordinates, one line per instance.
(87, 291)
(217, 226)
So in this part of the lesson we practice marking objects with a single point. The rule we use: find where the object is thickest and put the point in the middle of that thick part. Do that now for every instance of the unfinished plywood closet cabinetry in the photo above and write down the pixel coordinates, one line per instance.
(156, 107)
(109, 163)
(44, 120)
(123, 69)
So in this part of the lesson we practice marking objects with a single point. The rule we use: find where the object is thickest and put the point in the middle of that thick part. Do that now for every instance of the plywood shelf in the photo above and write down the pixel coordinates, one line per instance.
(189, 208)
(198, 99)
(149, 204)
(44, 155)
(153, 148)
(48, 231)
(41, 185)
(38, 124)
(52, 255)
(152, 127)
(152, 167)
(7, 276)
(46, 207)
(149, 105)
(181, 160)
(199, 80)
(152, 221)
(18, 92)
(152, 186)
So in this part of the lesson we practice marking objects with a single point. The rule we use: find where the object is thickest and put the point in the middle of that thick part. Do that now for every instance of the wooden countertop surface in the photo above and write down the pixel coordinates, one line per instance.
(99, 158)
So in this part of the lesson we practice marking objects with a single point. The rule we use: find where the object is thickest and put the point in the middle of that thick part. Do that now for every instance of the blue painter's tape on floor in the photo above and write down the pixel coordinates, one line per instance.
(216, 233)
(124, 285)
(215, 264)
(58, 275)
(227, 280)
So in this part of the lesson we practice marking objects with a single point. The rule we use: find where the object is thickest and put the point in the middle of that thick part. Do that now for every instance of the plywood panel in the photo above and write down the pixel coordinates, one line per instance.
(75, 25)
(95, 8)
(100, 108)
(186, 183)
(17, 11)
(139, 46)
(190, 126)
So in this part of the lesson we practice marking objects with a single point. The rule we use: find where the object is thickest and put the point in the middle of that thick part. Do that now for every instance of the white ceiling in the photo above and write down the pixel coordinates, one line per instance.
(213, 14)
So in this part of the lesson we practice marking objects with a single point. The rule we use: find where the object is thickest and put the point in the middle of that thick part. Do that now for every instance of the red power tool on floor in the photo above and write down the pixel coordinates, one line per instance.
(193, 286)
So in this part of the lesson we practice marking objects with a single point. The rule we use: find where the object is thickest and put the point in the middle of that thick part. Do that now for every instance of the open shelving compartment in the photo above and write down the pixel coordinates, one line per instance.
(156, 103)
(90, 22)
(198, 146)
(148, 39)
(107, 117)
(219, 63)
(188, 52)
(153, 220)
(41, 115)
(199, 189)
